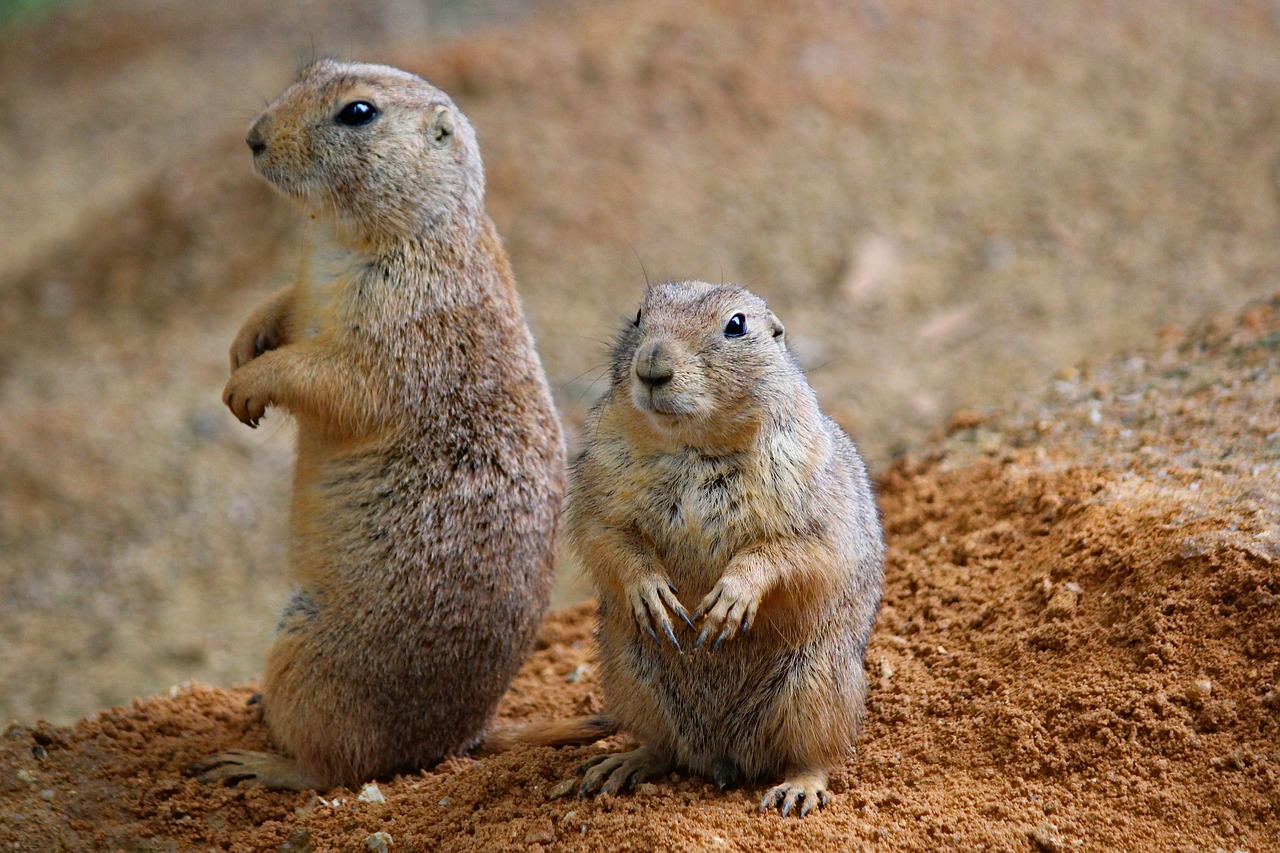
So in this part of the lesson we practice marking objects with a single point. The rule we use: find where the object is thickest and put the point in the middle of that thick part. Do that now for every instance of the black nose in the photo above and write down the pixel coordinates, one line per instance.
(654, 367)
(255, 141)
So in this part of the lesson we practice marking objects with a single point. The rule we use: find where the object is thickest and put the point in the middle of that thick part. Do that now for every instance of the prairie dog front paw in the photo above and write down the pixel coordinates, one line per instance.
(253, 342)
(247, 394)
(264, 331)
(729, 609)
(649, 600)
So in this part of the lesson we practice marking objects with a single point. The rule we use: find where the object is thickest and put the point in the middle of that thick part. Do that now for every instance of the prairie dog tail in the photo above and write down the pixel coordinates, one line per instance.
(575, 731)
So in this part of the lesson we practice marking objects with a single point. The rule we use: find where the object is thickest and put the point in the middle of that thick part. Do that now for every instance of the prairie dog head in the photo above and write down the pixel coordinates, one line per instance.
(701, 365)
(381, 152)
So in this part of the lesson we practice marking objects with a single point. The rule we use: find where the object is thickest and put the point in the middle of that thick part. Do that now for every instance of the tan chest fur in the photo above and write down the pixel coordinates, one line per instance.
(327, 279)
(698, 510)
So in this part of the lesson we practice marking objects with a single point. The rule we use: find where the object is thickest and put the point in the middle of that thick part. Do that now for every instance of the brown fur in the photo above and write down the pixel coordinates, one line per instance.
(576, 731)
(730, 532)
(430, 461)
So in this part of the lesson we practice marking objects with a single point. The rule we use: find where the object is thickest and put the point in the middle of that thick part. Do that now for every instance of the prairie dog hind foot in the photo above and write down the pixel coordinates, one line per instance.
(257, 768)
(614, 772)
(807, 790)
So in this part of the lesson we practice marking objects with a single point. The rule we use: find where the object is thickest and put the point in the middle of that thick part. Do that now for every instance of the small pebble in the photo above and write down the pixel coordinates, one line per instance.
(379, 842)
(560, 789)
(543, 832)
(1046, 839)
(371, 793)
(1199, 691)
(299, 841)
(46, 794)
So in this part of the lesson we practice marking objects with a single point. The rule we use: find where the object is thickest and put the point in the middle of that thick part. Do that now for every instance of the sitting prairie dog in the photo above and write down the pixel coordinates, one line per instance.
(430, 466)
(729, 530)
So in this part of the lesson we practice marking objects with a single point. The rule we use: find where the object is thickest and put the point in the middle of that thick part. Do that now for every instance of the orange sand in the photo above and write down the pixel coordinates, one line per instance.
(1079, 649)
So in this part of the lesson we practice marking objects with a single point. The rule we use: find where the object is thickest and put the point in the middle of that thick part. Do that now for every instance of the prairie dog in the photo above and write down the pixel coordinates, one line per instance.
(430, 466)
(730, 532)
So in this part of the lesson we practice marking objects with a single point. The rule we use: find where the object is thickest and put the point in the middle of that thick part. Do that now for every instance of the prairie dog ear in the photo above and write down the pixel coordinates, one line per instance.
(440, 127)
(779, 333)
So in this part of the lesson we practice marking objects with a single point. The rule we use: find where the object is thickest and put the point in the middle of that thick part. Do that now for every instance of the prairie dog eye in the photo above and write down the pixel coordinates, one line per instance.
(736, 327)
(356, 114)
(636, 321)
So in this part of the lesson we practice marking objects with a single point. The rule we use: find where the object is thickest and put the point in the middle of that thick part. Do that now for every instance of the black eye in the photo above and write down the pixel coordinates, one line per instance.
(636, 321)
(356, 114)
(736, 327)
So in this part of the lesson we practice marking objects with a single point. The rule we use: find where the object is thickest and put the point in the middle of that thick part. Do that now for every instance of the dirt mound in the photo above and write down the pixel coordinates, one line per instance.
(1079, 648)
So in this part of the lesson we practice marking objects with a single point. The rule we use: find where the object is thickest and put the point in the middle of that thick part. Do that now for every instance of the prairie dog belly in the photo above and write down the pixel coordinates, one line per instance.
(733, 703)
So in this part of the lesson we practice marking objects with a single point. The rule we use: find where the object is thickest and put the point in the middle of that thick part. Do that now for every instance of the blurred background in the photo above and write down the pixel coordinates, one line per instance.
(946, 201)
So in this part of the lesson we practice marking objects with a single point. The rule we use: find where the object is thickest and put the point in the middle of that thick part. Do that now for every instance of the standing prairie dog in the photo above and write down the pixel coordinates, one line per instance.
(730, 532)
(430, 464)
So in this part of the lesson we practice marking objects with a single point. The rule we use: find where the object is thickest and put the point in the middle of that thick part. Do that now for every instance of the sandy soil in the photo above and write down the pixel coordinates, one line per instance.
(952, 205)
(1079, 649)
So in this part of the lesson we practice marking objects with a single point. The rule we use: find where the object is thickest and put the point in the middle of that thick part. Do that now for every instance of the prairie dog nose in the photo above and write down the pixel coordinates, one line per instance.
(256, 140)
(654, 365)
